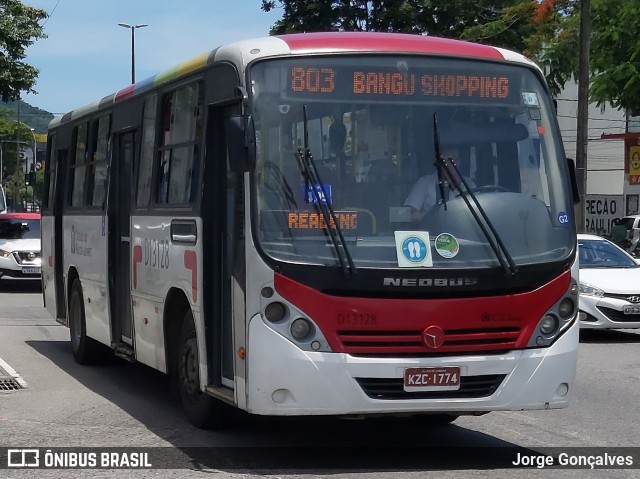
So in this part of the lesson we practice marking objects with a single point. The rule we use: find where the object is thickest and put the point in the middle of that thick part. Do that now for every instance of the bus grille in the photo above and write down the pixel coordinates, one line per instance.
(393, 388)
(460, 341)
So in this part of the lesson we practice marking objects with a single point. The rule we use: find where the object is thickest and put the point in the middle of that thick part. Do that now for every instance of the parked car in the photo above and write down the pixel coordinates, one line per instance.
(20, 245)
(632, 235)
(609, 285)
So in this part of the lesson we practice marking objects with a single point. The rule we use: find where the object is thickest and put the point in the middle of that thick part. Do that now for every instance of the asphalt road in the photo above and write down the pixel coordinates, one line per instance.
(117, 404)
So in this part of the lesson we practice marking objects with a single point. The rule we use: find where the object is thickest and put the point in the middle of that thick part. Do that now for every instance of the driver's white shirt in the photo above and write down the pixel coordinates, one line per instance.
(423, 194)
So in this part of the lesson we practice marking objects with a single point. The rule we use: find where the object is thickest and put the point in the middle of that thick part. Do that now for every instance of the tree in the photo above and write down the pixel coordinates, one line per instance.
(319, 15)
(446, 18)
(547, 31)
(615, 53)
(19, 28)
(14, 138)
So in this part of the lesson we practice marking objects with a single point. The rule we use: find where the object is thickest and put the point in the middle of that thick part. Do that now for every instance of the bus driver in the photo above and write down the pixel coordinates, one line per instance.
(425, 192)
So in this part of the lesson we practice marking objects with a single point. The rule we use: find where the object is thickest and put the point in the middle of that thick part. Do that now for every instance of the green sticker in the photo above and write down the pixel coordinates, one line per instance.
(447, 245)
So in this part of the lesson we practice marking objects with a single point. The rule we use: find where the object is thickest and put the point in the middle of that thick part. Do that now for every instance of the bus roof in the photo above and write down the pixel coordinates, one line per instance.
(306, 43)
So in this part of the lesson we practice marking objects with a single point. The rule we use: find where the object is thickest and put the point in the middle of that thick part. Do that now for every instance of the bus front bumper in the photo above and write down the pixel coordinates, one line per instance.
(284, 380)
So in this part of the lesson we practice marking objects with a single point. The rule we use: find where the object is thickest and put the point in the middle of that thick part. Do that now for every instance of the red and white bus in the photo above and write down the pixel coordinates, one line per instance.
(242, 223)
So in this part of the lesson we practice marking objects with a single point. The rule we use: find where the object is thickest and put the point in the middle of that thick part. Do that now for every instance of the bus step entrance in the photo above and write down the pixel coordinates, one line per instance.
(124, 351)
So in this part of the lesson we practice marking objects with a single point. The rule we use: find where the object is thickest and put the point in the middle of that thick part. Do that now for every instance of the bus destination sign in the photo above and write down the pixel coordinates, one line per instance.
(386, 83)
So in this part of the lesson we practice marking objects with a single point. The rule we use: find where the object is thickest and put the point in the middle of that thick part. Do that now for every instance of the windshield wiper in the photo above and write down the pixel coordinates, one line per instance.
(485, 224)
(322, 200)
(282, 189)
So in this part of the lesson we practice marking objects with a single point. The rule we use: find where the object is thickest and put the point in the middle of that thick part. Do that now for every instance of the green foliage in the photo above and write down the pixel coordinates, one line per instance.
(615, 53)
(36, 118)
(444, 18)
(318, 15)
(39, 186)
(19, 28)
(13, 135)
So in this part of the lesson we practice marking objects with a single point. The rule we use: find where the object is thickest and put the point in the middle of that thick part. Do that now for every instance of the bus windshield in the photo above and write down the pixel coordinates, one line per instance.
(368, 122)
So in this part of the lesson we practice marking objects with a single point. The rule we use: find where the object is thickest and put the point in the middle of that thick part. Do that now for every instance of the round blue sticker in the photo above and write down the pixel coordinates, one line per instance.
(414, 249)
(563, 218)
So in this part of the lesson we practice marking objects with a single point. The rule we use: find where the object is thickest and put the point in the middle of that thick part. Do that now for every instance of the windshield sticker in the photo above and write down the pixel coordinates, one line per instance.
(530, 98)
(446, 245)
(413, 249)
(563, 218)
(311, 198)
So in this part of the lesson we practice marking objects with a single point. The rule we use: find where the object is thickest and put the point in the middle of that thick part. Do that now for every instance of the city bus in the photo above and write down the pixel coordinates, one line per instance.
(241, 223)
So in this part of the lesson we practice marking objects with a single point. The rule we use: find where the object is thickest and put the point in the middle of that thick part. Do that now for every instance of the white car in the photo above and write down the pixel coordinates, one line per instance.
(609, 285)
(20, 245)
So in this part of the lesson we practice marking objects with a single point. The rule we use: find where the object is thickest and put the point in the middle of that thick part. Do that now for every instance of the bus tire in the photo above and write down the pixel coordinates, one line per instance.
(202, 410)
(85, 350)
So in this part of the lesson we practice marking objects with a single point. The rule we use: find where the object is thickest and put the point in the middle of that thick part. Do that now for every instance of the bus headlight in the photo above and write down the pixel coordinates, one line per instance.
(283, 317)
(275, 311)
(557, 319)
(300, 328)
(566, 308)
(548, 324)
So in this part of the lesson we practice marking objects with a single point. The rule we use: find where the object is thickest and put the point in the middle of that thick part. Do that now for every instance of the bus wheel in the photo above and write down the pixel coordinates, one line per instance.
(202, 410)
(85, 350)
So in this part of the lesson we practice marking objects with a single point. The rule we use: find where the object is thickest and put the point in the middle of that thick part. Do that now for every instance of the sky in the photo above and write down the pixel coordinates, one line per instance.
(88, 56)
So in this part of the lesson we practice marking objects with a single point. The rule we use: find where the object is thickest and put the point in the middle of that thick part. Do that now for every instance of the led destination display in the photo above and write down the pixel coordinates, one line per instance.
(349, 82)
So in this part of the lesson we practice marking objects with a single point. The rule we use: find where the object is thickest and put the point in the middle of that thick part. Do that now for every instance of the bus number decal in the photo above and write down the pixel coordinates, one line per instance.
(356, 319)
(156, 253)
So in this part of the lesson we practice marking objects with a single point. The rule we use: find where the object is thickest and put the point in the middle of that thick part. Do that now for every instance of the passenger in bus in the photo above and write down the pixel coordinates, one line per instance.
(425, 192)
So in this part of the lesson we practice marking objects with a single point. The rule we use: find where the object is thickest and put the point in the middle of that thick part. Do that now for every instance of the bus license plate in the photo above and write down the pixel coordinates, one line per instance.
(31, 270)
(432, 379)
(631, 309)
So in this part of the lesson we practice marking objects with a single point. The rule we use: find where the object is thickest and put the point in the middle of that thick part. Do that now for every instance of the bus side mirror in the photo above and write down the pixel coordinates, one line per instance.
(574, 181)
(241, 143)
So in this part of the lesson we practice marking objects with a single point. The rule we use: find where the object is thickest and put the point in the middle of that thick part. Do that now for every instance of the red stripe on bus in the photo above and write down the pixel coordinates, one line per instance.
(124, 93)
(386, 42)
(392, 326)
(20, 216)
(191, 263)
(137, 258)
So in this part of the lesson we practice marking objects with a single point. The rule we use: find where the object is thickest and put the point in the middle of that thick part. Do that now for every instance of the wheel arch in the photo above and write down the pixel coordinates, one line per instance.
(176, 304)
(72, 275)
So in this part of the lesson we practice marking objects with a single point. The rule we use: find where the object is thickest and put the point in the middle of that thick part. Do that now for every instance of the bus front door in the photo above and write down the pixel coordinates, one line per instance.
(120, 242)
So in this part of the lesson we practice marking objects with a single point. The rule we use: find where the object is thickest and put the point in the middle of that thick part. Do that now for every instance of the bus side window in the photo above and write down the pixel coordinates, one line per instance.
(97, 184)
(79, 167)
(182, 124)
(49, 173)
(145, 168)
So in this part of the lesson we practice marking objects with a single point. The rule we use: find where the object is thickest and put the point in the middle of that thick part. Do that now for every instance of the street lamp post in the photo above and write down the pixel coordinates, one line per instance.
(133, 46)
